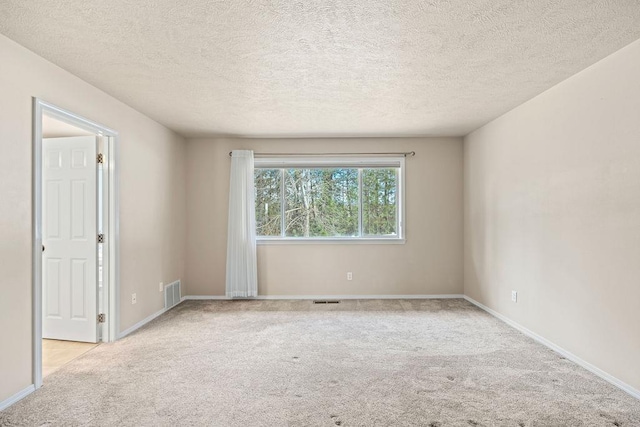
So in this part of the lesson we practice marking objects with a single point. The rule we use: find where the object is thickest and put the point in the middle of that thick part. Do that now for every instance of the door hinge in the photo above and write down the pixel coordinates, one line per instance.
(100, 158)
(100, 238)
(102, 318)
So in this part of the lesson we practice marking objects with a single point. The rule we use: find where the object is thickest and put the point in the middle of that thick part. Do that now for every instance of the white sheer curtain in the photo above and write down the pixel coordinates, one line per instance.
(242, 276)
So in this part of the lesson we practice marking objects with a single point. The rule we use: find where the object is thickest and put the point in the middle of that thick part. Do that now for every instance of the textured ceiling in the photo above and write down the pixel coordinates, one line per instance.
(322, 68)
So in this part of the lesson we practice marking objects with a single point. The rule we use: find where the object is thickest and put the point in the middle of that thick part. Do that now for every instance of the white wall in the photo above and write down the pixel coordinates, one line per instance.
(552, 210)
(152, 209)
(429, 263)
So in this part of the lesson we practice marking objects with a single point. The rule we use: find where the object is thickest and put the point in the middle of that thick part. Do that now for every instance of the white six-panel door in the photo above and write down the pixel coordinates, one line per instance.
(69, 237)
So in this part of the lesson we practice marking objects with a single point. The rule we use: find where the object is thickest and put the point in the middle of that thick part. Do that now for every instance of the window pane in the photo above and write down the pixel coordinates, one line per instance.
(267, 184)
(379, 212)
(321, 202)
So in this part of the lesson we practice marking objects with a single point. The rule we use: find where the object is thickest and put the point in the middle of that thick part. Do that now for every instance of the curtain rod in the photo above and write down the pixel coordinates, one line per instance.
(405, 154)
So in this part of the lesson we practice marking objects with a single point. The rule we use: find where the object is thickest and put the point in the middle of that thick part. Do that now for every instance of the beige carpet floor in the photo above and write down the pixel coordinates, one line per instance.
(291, 363)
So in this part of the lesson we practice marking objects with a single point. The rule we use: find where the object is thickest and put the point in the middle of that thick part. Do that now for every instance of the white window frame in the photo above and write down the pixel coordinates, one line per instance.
(314, 162)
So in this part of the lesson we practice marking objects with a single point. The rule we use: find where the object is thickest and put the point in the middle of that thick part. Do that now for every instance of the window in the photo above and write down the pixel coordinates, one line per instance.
(329, 199)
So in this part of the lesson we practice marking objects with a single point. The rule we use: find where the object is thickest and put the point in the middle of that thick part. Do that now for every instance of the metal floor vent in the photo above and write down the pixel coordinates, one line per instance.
(172, 294)
(326, 301)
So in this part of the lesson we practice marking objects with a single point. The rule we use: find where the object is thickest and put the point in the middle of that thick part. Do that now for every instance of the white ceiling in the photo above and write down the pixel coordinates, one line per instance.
(322, 68)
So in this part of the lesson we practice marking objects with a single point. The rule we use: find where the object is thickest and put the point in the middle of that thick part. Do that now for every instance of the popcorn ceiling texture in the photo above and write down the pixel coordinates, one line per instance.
(325, 68)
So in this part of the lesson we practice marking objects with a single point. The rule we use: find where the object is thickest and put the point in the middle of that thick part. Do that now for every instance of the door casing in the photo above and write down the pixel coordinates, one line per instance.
(111, 266)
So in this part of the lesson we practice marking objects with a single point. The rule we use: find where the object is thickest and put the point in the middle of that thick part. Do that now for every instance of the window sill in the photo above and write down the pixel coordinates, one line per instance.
(329, 241)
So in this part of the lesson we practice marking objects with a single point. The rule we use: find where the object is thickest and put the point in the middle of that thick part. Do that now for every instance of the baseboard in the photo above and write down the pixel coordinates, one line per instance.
(146, 320)
(312, 297)
(18, 396)
(586, 365)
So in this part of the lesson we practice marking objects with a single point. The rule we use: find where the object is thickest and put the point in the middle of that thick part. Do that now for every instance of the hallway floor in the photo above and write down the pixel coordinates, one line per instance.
(56, 353)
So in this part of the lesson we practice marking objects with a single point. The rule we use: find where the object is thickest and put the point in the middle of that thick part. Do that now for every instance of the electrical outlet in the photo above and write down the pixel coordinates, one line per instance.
(133, 299)
(349, 276)
(514, 296)
(161, 287)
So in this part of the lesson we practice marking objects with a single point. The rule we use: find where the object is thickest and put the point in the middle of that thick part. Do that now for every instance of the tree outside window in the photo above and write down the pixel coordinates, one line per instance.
(327, 202)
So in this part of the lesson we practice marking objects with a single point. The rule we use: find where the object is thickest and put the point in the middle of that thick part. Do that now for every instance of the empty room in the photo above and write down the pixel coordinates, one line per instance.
(339, 213)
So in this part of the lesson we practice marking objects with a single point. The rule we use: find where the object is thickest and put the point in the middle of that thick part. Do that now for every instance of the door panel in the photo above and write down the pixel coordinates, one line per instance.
(51, 226)
(52, 294)
(78, 210)
(78, 286)
(69, 236)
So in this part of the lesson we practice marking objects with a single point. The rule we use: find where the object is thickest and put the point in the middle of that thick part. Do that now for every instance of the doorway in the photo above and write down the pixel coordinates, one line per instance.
(75, 250)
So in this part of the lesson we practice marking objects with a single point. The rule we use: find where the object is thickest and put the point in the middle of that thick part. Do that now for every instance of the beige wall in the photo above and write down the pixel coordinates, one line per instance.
(552, 210)
(152, 211)
(429, 263)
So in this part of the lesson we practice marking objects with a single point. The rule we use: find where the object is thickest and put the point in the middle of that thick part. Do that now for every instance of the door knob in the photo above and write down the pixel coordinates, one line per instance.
(42, 248)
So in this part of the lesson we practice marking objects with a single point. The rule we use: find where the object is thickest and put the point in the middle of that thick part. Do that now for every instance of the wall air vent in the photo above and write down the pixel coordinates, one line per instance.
(172, 294)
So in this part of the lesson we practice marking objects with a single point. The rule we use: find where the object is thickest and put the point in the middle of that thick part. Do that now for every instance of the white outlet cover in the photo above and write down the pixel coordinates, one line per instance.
(161, 287)
(349, 276)
(514, 296)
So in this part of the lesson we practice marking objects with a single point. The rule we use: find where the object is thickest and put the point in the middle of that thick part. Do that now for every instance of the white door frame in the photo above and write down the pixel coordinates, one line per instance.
(111, 266)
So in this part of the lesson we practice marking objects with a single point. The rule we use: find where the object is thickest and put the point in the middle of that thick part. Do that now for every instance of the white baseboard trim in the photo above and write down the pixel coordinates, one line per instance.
(314, 297)
(586, 365)
(18, 396)
(146, 320)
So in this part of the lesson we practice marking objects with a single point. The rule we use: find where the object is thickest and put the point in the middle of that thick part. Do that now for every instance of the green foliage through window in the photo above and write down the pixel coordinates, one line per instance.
(327, 202)
(379, 202)
(268, 201)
